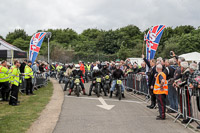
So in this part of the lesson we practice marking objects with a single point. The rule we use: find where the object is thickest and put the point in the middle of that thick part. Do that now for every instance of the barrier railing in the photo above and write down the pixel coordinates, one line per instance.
(38, 81)
(192, 105)
(188, 99)
(137, 83)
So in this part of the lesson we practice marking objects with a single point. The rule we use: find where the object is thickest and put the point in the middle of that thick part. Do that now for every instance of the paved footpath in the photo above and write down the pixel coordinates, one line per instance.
(82, 115)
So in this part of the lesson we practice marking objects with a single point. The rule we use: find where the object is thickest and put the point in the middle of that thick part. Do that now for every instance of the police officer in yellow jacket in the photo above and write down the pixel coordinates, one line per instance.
(15, 81)
(28, 77)
(4, 81)
(161, 91)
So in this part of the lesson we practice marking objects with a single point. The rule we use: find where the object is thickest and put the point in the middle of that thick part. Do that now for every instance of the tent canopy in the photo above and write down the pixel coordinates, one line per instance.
(7, 51)
(193, 56)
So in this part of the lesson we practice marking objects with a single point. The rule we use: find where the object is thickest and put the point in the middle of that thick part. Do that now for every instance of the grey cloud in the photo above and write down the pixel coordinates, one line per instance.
(33, 15)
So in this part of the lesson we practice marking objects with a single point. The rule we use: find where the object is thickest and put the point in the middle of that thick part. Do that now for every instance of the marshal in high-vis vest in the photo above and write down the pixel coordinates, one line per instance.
(15, 81)
(161, 91)
(28, 77)
(4, 81)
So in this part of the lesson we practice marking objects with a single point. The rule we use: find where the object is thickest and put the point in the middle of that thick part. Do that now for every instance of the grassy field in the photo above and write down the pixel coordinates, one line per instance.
(17, 119)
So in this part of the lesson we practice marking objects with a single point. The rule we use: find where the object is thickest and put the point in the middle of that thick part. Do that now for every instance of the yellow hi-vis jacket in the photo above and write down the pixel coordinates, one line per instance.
(58, 68)
(88, 67)
(157, 89)
(4, 77)
(14, 76)
(28, 72)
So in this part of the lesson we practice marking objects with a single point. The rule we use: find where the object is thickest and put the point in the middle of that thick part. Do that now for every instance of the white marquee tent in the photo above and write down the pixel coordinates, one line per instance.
(193, 56)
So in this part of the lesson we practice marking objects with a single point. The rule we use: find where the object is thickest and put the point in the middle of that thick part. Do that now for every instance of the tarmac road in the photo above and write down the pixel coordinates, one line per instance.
(82, 115)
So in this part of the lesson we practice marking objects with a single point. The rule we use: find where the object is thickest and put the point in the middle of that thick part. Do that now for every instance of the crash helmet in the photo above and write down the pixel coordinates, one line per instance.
(77, 66)
(95, 69)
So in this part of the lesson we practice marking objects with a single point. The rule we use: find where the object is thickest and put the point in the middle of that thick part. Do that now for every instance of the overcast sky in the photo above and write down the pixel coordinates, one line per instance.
(33, 15)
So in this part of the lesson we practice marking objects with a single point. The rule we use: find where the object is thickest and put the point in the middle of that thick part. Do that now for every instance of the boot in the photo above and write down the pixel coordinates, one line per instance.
(152, 106)
(84, 92)
(111, 92)
(70, 91)
(123, 95)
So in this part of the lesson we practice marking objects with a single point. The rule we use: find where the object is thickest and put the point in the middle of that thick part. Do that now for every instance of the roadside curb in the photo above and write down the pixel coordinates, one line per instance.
(50, 115)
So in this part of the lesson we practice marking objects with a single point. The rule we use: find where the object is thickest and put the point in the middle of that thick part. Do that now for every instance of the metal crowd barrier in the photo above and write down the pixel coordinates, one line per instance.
(188, 99)
(192, 105)
(38, 81)
(137, 83)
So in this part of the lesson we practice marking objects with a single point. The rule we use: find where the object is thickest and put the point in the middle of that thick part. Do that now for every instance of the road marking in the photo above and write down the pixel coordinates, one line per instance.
(113, 100)
(104, 104)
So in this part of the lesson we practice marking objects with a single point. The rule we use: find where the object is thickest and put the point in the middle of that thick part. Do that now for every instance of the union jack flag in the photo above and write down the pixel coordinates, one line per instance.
(152, 40)
(35, 45)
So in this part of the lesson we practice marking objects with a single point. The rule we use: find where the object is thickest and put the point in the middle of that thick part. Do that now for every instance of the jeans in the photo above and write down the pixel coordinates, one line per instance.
(114, 82)
(172, 97)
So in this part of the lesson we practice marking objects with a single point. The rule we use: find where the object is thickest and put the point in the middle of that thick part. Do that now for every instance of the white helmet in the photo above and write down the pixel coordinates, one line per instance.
(77, 66)
(95, 68)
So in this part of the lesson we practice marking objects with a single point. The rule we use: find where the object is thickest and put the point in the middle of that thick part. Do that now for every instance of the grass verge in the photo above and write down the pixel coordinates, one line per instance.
(17, 119)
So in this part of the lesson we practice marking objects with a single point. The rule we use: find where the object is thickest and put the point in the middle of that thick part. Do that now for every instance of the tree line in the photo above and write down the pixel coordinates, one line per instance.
(93, 44)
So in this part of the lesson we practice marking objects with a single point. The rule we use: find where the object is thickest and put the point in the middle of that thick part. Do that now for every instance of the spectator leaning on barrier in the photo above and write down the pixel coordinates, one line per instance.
(130, 70)
(15, 81)
(36, 68)
(172, 93)
(135, 68)
(193, 80)
(183, 88)
(28, 77)
(4, 81)
(194, 73)
(142, 70)
(161, 91)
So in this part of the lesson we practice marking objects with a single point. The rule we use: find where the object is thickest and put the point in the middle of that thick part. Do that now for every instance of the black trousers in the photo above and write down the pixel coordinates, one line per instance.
(5, 90)
(14, 94)
(29, 86)
(153, 97)
(161, 99)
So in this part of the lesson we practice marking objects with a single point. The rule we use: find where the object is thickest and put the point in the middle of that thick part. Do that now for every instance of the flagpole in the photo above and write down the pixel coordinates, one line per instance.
(48, 36)
(143, 47)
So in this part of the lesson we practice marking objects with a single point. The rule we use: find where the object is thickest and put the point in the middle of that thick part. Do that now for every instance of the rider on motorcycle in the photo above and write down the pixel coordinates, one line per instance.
(96, 73)
(61, 73)
(105, 69)
(67, 75)
(77, 73)
(117, 74)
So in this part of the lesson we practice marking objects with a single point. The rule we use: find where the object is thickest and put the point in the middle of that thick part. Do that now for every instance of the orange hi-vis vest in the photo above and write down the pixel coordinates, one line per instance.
(157, 89)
